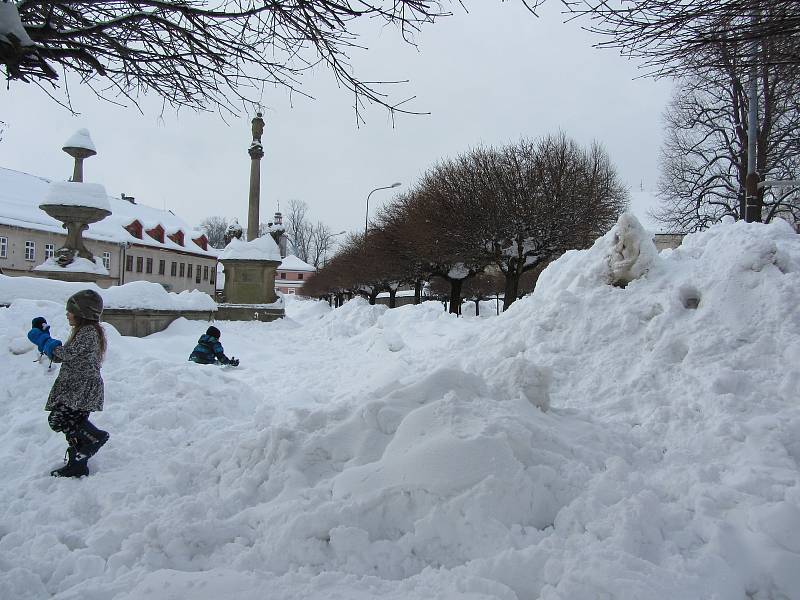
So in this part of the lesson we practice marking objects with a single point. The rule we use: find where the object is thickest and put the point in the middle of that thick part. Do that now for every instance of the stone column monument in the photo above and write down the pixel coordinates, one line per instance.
(250, 266)
(256, 152)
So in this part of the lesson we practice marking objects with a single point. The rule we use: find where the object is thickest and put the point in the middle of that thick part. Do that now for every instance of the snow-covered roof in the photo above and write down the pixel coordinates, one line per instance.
(261, 248)
(292, 263)
(22, 193)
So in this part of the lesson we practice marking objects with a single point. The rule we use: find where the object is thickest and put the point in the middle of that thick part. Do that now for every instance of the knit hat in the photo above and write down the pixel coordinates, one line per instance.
(213, 332)
(86, 304)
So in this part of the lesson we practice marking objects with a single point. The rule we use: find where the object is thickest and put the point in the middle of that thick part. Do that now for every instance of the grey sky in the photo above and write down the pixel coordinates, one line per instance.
(488, 77)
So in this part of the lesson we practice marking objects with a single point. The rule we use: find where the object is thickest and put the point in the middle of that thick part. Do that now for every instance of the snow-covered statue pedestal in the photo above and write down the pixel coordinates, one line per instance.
(76, 205)
(249, 290)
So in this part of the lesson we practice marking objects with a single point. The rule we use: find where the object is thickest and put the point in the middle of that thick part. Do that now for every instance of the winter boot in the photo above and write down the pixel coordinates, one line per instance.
(75, 467)
(89, 439)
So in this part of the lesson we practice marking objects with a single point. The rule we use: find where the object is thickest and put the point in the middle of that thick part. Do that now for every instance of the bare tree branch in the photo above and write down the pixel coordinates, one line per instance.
(202, 54)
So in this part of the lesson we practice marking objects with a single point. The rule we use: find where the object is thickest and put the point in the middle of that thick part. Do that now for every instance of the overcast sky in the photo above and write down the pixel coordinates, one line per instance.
(489, 77)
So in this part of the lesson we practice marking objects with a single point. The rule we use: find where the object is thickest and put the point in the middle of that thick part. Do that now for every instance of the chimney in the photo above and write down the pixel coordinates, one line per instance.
(130, 199)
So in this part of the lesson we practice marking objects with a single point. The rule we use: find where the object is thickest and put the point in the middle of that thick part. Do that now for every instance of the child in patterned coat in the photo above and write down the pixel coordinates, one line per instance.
(78, 389)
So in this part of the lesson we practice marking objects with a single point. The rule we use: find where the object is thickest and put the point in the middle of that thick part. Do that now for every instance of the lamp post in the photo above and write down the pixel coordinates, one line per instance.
(366, 217)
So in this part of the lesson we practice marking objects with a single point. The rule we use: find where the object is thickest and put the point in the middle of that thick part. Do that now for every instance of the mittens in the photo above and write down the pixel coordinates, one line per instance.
(40, 323)
(50, 345)
(43, 341)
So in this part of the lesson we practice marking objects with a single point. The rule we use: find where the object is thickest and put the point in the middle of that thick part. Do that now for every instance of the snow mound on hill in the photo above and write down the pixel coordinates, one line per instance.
(636, 442)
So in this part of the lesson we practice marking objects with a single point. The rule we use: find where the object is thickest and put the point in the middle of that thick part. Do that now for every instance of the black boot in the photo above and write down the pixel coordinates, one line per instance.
(76, 465)
(89, 438)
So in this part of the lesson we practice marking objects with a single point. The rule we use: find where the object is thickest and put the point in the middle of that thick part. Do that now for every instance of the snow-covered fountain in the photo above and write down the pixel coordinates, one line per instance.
(77, 205)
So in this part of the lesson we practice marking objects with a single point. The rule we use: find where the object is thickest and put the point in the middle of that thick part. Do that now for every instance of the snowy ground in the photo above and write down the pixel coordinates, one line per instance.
(369, 453)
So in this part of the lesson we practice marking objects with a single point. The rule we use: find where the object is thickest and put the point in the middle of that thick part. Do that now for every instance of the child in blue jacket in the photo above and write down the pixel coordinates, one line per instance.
(209, 350)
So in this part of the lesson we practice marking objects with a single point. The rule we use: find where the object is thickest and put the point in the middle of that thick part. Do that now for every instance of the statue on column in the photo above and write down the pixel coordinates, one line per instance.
(258, 128)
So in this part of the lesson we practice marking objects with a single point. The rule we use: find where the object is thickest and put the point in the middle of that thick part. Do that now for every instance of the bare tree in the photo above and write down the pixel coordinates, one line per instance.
(322, 242)
(311, 242)
(520, 206)
(197, 53)
(704, 156)
(215, 228)
(298, 229)
(677, 37)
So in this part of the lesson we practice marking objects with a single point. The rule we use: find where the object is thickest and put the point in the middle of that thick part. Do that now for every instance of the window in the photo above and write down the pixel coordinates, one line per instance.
(199, 273)
(129, 263)
(205, 273)
(30, 250)
(283, 275)
(212, 276)
(107, 260)
(182, 270)
(3, 247)
(299, 275)
(189, 270)
(139, 264)
(148, 265)
(49, 251)
(173, 269)
(162, 267)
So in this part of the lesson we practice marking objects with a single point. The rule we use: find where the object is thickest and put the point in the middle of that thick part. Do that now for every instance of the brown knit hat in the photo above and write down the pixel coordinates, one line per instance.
(86, 304)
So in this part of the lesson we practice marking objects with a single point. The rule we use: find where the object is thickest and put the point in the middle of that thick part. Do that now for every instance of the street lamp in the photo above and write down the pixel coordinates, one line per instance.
(366, 217)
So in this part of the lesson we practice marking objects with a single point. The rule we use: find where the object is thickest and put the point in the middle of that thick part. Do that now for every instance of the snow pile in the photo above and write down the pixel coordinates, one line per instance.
(77, 193)
(136, 294)
(261, 248)
(78, 265)
(146, 294)
(592, 441)
(632, 253)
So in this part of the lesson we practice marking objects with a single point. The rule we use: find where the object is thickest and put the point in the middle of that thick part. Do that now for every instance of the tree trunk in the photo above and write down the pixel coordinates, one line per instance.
(392, 298)
(372, 297)
(477, 308)
(417, 291)
(455, 295)
(512, 288)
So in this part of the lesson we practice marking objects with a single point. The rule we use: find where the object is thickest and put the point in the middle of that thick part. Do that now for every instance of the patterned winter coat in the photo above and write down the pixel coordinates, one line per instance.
(79, 385)
(208, 350)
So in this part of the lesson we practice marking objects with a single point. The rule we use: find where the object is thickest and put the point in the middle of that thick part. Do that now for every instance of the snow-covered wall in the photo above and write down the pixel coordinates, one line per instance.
(134, 295)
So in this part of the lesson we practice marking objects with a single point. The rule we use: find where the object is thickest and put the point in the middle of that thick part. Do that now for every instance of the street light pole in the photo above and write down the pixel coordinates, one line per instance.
(366, 217)
(751, 207)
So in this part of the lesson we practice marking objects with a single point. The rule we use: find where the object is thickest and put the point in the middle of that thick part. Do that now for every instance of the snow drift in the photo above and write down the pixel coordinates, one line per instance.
(592, 441)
